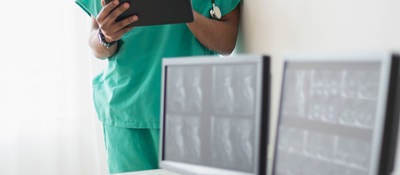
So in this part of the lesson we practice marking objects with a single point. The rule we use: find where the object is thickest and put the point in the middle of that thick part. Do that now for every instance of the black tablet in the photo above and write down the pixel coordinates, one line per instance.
(157, 12)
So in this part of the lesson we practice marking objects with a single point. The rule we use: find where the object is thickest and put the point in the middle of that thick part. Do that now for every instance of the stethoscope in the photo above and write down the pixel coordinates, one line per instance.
(215, 12)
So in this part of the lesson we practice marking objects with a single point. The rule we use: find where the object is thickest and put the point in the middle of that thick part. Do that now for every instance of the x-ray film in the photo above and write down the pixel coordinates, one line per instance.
(327, 118)
(210, 115)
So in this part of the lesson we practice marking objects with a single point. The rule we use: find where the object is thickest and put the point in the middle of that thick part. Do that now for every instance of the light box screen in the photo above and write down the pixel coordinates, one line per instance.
(210, 116)
(327, 118)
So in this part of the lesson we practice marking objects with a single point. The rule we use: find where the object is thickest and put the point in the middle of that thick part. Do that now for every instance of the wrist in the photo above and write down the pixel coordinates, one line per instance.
(103, 41)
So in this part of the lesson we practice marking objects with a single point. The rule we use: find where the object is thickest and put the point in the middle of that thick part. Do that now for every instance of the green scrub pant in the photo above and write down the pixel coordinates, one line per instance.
(131, 149)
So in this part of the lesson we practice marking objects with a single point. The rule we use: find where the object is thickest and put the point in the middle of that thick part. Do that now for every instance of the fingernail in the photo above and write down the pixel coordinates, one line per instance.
(115, 2)
(135, 18)
(126, 5)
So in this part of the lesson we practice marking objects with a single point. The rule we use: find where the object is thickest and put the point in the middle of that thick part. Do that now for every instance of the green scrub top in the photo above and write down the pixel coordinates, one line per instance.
(127, 92)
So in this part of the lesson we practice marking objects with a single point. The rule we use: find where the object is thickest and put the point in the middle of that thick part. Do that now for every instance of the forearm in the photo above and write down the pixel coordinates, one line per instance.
(219, 36)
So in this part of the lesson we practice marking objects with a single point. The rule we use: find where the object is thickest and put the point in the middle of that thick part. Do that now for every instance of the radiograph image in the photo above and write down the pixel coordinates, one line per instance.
(244, 87)
(210, 114)
(243, 143)
(191, 135)
(223, 92)
(234, 89)
(222, 144)
(176, 90)
(194, 84)
(175, 147)
(335, 106)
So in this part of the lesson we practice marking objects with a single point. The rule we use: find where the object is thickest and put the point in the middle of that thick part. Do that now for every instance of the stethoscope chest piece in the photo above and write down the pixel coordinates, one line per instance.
(215, 12)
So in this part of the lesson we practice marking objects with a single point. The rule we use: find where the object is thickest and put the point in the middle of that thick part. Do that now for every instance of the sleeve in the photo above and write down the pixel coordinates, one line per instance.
(91, 7)
(226, 6)
(204, 6)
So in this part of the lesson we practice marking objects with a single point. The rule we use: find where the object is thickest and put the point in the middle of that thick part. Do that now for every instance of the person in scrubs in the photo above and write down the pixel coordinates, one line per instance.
(127, 93)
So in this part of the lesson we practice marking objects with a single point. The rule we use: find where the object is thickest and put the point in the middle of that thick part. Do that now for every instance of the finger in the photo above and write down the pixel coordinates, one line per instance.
(107, 9)
(117, 36)
(123, 31)
(117, 11)
(125, 22)
(103, 3)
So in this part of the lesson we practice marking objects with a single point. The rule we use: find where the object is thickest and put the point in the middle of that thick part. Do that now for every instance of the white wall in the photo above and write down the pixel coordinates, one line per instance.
(47, 121)
(279, 27)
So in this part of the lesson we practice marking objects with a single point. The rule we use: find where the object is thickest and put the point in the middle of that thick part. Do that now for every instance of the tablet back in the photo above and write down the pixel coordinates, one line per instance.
(157, 12)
